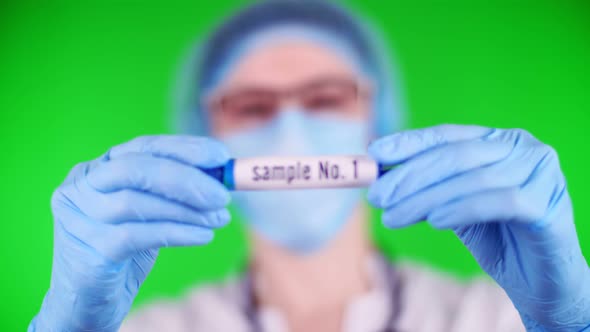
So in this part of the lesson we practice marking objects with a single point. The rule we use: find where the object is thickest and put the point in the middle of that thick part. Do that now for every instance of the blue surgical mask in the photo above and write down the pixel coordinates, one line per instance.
(299, 220)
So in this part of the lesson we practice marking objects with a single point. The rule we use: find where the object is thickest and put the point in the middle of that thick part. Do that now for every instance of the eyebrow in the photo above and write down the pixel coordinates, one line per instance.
(314, 81)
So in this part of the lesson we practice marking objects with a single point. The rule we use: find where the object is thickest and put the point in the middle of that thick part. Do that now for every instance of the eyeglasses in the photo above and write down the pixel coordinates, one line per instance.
(255, 104)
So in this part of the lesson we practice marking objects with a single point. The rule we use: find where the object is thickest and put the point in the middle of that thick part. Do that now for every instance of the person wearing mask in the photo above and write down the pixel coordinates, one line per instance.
(284, 78)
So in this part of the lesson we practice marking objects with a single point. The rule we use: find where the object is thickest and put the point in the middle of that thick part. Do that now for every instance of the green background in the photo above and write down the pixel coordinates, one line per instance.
(77, 77)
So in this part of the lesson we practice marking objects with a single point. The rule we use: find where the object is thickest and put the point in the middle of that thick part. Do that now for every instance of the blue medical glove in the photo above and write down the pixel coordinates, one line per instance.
(112, 214)
(503, 193)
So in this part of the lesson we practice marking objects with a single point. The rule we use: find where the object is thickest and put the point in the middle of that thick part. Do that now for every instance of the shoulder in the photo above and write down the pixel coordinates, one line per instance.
(210, 307)
(477, 304)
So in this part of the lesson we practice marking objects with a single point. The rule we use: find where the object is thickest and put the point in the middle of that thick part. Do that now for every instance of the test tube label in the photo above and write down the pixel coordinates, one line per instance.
(264, 173)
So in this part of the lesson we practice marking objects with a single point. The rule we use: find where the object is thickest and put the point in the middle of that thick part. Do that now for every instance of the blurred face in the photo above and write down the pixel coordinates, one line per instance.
(298, 73)
(293, 98)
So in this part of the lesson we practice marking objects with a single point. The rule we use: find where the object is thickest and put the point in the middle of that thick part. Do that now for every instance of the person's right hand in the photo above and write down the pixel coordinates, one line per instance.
(112, 214)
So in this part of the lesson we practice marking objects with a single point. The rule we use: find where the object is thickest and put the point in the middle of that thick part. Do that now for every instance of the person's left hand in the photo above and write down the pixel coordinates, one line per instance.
(503, 193)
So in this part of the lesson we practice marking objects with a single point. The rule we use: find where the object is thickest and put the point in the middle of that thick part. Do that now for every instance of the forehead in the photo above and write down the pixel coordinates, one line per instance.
(284, 64)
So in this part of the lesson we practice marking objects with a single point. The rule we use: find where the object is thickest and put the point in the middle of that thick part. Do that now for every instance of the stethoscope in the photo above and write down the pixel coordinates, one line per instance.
(393, 285)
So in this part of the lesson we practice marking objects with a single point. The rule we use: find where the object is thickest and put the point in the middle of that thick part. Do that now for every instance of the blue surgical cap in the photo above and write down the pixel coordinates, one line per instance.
(208, 63)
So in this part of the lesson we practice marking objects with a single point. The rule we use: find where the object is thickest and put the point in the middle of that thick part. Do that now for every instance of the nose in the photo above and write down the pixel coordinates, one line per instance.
(288, 134)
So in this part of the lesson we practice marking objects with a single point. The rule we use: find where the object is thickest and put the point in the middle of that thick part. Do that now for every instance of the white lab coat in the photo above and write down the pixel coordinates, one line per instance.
(429, 301)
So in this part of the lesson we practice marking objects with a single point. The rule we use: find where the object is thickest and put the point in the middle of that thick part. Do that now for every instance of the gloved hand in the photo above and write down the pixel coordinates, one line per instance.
(112, 214)
(504, 195)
